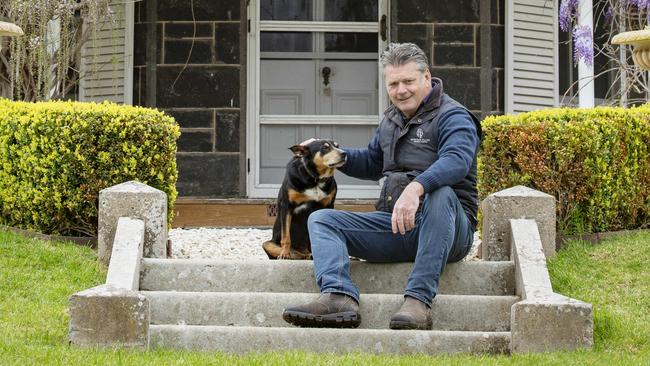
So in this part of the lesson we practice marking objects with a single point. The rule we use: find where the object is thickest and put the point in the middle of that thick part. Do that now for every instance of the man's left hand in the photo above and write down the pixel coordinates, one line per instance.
(403, 218)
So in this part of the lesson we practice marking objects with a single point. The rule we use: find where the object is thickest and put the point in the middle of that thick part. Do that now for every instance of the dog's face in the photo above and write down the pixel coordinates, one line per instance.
(322, 156)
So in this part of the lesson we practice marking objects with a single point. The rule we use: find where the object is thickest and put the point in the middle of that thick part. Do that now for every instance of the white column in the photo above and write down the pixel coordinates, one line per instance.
(586, 73)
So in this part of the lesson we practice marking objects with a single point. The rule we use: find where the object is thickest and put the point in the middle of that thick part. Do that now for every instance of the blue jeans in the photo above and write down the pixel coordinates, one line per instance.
(442, 234)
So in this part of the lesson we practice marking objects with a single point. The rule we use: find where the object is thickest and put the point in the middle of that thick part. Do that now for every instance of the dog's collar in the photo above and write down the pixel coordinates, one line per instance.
(317, 179)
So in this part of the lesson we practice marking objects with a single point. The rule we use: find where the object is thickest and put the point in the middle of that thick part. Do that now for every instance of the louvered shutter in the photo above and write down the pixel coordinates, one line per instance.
(531, 55)
(106, 59)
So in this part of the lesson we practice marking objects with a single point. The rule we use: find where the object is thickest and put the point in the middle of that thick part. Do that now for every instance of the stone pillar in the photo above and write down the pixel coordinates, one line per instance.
(518, 202)
(135, 200)
(109, 316)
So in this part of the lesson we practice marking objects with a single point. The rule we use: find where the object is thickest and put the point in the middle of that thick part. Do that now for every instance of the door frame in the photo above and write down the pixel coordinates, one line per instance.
(253, 120)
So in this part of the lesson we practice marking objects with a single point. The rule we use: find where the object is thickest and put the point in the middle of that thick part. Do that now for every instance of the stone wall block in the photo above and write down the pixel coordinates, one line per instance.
(109, 316)
(518, 202)
(551, 324)
(135, 200)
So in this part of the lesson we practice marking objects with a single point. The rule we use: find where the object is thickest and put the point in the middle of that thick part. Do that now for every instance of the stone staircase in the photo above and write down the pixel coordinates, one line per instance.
(210, 304)
(501, 304)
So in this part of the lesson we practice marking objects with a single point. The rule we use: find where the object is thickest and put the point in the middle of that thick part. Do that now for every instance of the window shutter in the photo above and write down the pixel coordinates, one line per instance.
(107, 59)
(531, 55)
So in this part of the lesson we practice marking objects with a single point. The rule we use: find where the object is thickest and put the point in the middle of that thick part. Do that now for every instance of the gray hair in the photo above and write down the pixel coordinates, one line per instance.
(398, 54)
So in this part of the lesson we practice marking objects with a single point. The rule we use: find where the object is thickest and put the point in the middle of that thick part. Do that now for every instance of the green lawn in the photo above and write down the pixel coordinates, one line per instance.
(36, 279)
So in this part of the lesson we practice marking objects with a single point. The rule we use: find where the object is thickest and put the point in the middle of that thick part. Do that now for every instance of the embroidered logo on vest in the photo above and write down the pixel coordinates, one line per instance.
(419, 140)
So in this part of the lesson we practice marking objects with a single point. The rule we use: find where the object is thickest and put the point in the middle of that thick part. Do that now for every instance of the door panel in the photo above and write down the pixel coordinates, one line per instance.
(297, 87)
(353, 88)
(287, 87)
(278, 139)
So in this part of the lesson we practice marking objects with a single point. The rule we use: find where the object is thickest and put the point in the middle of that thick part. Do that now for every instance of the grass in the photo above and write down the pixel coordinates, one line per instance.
(36, 279)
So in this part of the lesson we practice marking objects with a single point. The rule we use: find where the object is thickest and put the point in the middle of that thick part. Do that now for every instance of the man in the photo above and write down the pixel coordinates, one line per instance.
(426, 147)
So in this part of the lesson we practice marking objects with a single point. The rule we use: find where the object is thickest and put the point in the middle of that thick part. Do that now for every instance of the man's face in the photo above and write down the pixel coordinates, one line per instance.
(407, 86)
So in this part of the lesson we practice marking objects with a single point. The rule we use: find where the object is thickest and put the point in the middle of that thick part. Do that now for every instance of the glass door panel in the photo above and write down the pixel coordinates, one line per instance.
(286, 10)
(351, 10)
(286, 42)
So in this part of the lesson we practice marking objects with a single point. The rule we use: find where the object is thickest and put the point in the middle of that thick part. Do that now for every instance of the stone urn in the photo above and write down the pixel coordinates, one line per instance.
(9, 29)
(640, 39)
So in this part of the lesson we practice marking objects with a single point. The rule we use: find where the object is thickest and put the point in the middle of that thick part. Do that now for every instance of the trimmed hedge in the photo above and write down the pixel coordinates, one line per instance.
(55, 157)
(595, 162)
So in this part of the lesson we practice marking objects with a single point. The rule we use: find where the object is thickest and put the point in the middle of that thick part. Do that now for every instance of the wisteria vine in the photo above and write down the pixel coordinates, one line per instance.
(583, 48)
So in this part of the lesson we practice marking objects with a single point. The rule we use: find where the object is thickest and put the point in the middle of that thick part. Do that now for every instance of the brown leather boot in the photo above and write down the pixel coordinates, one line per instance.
(328, 310)
(414, 314)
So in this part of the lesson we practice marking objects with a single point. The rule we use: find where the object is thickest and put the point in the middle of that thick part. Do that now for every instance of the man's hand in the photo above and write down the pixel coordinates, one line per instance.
(403, 218)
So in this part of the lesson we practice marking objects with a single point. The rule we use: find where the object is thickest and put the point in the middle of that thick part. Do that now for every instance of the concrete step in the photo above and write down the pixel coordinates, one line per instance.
(462, 278)
(264, 309)
(261, 339)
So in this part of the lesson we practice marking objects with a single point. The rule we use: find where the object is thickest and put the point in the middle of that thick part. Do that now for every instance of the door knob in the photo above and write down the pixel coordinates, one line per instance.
(325, 72)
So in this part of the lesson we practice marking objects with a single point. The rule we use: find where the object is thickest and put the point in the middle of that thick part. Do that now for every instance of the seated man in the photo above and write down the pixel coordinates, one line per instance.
(426, 147)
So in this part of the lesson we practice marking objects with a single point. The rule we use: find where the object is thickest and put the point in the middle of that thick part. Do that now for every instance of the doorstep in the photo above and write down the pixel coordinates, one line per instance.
(240, 212)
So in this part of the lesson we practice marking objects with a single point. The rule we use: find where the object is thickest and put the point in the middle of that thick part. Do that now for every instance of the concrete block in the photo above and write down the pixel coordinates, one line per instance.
(135, 200)
(551, 324)
(108, 316)
(264, 309)
(466, 278)
(124, 268)
(241, 340)
(531, 273)
(515, 203)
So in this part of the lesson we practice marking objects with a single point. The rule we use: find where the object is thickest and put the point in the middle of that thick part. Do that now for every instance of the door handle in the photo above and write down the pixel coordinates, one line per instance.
(325, 72)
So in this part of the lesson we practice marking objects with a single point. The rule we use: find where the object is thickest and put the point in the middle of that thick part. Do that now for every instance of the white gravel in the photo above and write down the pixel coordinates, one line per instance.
(213, 243)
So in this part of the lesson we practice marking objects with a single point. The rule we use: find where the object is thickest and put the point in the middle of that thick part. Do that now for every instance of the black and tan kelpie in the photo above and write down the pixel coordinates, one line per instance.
(308, 186)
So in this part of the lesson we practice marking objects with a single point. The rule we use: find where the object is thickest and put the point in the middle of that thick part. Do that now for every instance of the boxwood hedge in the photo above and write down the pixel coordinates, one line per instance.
(55, 157)
(594, 161)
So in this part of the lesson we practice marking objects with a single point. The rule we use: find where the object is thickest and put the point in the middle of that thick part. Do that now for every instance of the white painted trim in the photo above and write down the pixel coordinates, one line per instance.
(286, 119)
(371, 56)
(252, 99)
(81, 96)
(384, 9)
(509, 60)
(586, 73)
(300, 26)
(556, 42)
(129, 20)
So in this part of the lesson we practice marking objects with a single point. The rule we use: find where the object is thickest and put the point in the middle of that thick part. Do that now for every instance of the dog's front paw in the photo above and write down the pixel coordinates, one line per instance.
(284, 254)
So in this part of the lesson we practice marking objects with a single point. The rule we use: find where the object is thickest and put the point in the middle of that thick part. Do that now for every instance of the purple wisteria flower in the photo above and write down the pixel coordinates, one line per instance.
(568, 10)
(640, 4)
(583, 48)
(609, 13)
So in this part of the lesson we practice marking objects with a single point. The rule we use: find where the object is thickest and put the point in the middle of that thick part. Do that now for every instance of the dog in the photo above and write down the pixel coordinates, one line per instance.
(308, 186)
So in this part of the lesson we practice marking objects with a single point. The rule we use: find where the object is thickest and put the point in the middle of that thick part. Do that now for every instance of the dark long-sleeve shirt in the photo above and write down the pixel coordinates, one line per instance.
(458, 143)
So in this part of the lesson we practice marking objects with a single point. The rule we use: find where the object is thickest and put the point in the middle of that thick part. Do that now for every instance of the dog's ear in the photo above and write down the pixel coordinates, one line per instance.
(299, 150)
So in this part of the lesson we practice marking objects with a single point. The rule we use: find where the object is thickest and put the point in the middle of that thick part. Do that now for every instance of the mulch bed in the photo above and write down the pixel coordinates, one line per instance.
(88, 241)
(595, 238)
